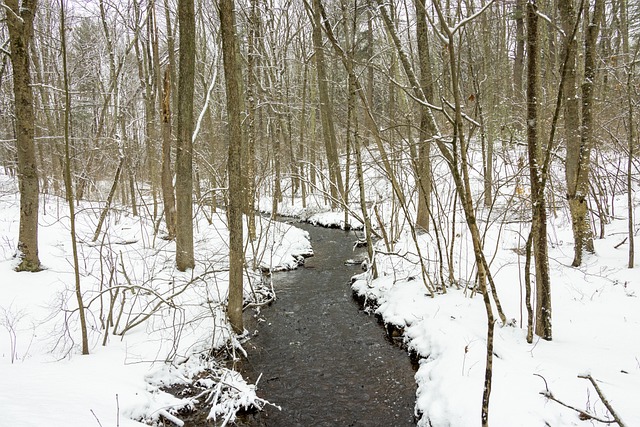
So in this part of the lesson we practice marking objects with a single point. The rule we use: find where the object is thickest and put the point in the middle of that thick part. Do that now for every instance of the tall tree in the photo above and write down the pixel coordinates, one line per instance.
(568, 17)
(578, 193)
(539, 221)
(426, 129)
(326, 109)
(252, 93)
(67, 179)
(518, 62)
(233, 81)
(184, 154)
(20, 23)
(163, 88)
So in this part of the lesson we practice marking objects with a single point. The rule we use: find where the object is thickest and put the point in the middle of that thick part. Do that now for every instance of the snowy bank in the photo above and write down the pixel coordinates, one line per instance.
(596, 319)
(155, 322)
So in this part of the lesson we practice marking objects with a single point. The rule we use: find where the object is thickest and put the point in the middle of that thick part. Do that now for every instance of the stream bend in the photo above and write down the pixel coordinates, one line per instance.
(322, 359)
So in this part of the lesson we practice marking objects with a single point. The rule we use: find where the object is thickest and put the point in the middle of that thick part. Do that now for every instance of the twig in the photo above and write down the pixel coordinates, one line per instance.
(616, 247)
(96, 417)
(604, 399)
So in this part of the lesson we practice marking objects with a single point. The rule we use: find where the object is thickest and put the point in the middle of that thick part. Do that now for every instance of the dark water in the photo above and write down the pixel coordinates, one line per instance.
(322, 359)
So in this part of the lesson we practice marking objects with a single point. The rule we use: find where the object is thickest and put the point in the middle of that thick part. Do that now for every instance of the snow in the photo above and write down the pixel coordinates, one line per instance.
(596, 313)
(596, 324)
(596, 308)
(45, 379)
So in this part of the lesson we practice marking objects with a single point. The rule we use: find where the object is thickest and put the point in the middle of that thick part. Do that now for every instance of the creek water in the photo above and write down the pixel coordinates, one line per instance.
(322, 358)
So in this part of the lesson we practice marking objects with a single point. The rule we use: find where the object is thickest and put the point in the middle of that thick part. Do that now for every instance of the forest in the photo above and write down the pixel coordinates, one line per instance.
(156, 157)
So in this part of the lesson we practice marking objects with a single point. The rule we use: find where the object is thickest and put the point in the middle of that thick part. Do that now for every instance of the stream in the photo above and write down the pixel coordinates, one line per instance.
(322, 358)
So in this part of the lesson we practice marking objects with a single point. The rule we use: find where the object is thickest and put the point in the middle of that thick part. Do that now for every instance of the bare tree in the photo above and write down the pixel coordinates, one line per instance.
(326, 109)
(569, 17)
(539, 221)
(233, 80)
(184, 155)
(579, 193)
(163, 89)
(426, 129)
(68, 182)
(20, 15)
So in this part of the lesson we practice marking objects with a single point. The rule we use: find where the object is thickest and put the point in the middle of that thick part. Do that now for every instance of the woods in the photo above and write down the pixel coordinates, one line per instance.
(447, 133)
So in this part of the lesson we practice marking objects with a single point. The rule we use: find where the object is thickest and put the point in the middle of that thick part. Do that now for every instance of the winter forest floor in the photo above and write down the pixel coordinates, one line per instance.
(596, 314)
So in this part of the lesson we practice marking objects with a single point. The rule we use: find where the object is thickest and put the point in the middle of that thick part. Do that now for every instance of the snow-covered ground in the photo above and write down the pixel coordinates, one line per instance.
(596, 308)
(596, 312)
(596, 331)
(170, 319)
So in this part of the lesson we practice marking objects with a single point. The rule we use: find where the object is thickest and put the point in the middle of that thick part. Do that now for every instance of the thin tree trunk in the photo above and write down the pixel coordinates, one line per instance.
(166, 178)
(233, 78)
(252, 93)
(68, 182)
(426, 129)
(326, 110)
(518, 63)
(631, 139)
(301, 144)
(539, 221)
(163, 88)
(580, 193)
(112, 193)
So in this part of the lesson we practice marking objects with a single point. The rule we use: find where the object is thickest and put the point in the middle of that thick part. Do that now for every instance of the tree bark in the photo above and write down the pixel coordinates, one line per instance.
(326, 110)
(568, 18)
(184, 155)
(252, 93)
(539, 221)
(426, 129)
(579, 193)
(233, 78)
(68, 182)
(163, 88)
(20, 24)
(518, 63)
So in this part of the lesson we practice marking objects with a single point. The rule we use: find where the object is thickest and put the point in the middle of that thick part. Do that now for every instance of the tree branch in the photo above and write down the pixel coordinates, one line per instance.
(604, 399)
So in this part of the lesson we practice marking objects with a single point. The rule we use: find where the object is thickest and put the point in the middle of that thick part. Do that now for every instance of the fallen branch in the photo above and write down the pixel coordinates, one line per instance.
(169, 417)
(615, 247)
(604, 399)
(582, 414)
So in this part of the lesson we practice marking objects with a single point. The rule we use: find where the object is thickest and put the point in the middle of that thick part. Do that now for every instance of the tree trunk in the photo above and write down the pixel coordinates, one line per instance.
(20, 24)
(579, 194)
(252, 93)
(184, 156)
(68, 182)
(518, 63)
(163, 88)
(326, 111)
(539, 222)
(631, 131)
(568, 17)
(426, 129)
(166, 176)
(233, 79)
